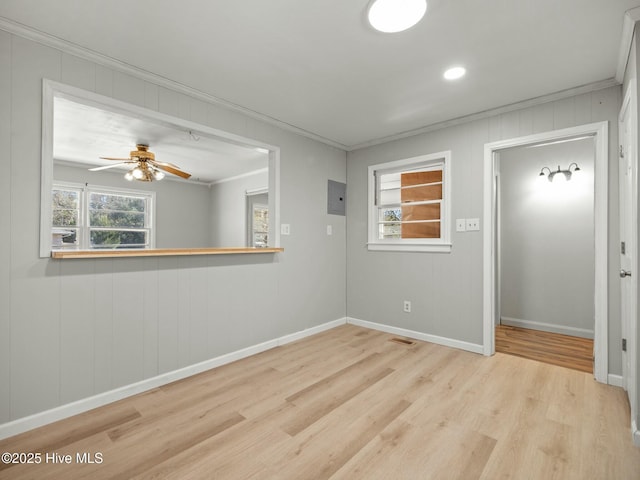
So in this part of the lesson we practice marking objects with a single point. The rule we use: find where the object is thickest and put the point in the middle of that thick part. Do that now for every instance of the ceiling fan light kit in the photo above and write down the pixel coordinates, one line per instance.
(146, 168)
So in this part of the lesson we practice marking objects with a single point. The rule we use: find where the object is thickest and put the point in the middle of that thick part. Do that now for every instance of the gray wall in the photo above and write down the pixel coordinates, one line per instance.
(72, 329)
(547, 239)
(229, 217)
(183, 210)
(446, 289)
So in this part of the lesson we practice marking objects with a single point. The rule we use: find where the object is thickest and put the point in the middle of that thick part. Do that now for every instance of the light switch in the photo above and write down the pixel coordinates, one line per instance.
(329, 230)
(285, 229)
(473, 224)
(461, 225)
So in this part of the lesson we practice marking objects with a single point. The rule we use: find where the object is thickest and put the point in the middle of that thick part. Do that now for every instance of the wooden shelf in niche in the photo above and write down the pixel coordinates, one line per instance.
(159, 252)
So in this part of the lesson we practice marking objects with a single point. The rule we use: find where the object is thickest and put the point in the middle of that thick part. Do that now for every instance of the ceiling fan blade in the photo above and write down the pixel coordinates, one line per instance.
(174, 171)
(166, 164)
(96, 169)
(118, 159)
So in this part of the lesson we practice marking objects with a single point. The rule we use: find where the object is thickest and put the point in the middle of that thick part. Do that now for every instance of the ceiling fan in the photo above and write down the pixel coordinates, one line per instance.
(146, 168)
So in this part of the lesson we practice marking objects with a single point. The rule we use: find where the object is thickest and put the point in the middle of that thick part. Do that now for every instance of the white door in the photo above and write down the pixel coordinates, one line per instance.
(628, 158)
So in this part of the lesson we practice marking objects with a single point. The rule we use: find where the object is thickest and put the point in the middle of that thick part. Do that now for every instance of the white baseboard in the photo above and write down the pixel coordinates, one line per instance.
(547, 327)
(635, 433)
(311, 331)
(448, 342)
(615, 380)
(64, 411)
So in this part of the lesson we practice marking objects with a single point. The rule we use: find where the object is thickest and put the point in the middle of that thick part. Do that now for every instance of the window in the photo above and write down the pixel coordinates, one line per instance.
(260, 226)
(409, 204)
(92, 218)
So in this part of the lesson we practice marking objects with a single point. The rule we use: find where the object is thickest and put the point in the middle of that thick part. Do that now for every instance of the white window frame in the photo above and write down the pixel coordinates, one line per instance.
(436, 245)
(84, 228)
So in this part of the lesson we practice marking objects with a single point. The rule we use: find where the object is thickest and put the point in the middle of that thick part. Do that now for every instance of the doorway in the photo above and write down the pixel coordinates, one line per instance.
(545, 243)
(492, 303)
(258, 218)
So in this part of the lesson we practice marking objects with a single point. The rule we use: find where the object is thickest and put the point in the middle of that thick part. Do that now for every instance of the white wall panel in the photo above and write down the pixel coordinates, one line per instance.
(583, 112)
(167, 314)
(103, 320)
(77, 335)
(128, 321)
(5, 222)
(543, 118)
(87, 326)
(151, 96)
(35, 285)
(449, 286)
(168, 101)
(78, 72)
(151, 312)
(104, 81)
(564, 113)
(128, 89)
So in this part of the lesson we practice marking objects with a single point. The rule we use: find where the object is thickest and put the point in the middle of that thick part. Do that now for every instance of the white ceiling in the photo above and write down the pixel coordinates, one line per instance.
(316, 65)
(83, 133)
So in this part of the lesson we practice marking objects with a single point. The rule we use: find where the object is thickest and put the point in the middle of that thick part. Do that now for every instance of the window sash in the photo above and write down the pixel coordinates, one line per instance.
(409, 204)
(416, 194)
(135, 226)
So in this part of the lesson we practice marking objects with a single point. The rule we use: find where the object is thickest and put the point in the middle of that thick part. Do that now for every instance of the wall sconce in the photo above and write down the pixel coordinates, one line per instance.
(566, 174)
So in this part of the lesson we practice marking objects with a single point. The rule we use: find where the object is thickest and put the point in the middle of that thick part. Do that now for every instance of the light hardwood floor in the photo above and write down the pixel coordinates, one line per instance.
(351, 404)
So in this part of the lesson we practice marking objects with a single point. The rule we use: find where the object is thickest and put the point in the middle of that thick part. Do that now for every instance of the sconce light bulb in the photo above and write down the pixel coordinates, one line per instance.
(559, 177)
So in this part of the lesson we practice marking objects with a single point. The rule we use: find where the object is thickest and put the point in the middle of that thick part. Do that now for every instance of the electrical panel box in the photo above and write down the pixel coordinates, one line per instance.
(336, 198)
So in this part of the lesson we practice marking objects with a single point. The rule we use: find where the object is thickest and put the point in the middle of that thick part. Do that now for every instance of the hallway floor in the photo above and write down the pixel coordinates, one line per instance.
(562, 350)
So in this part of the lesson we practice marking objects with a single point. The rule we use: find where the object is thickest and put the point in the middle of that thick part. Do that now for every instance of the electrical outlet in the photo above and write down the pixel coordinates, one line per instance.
(473, 224)
(407, 306)
(461, 225)
(285, 229)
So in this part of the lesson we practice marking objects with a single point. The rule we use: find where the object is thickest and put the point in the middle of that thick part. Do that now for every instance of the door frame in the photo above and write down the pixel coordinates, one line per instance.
(629, 320)
(600, 133)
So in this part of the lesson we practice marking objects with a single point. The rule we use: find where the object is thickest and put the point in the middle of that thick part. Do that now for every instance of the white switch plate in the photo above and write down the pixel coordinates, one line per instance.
(461, 225)
(329, 230)
(285, 229)
(473, 224)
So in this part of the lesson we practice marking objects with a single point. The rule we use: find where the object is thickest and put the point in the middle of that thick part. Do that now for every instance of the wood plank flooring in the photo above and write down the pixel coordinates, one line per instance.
(351, 404)
(553, 348)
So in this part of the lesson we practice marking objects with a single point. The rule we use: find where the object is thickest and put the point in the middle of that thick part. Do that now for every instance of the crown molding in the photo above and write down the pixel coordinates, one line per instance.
(29, 33)
(65, 46)
(552, 97)
(628, 26)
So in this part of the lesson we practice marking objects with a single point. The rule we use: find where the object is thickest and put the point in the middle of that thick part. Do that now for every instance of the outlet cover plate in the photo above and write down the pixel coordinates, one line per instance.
(473, 224)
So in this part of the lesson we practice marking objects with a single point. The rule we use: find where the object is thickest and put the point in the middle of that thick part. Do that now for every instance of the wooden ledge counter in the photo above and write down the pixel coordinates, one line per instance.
(159, 252)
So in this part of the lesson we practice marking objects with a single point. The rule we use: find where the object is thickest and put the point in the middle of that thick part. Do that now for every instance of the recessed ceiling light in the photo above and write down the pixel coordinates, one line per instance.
(391, 16)
(454, 73)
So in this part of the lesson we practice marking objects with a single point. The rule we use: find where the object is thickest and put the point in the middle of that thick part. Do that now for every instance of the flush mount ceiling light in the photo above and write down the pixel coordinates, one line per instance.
(455, 73)
(553, 176)
(391, 16)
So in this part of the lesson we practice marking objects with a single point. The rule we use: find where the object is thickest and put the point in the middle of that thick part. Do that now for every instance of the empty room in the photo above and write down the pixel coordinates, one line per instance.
(376, 239)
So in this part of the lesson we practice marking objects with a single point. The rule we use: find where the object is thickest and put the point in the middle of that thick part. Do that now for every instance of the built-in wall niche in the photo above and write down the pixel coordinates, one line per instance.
(97, 212)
